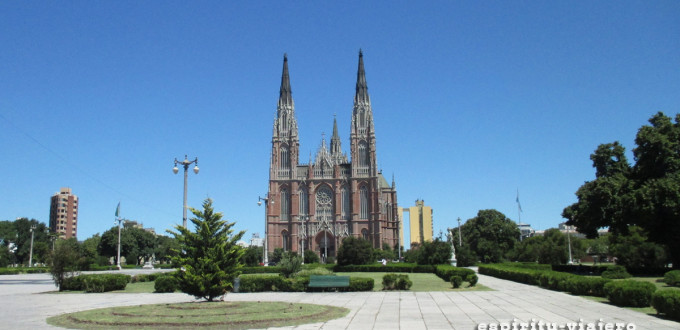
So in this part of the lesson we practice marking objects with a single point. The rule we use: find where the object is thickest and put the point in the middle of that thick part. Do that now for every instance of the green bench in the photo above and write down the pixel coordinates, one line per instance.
(328, 281)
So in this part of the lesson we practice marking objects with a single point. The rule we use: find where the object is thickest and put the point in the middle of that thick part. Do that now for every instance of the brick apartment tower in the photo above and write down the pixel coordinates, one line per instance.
(64, 213)
(320, 203)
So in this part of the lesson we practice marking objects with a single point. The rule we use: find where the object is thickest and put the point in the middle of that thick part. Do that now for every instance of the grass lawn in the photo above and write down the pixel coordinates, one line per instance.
(217, 315)
(422, 282)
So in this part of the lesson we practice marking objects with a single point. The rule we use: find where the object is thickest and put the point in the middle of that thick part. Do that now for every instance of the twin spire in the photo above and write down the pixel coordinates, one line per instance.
(361, 98)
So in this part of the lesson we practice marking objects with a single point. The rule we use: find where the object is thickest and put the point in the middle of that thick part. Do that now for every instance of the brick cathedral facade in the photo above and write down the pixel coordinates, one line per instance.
(315, 205)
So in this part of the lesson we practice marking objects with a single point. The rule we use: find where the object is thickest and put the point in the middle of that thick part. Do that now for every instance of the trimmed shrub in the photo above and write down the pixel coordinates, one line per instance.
(667, 302)
(360, 284)
(456, 281)
(615, 272)
(396, 282)
(472, 279)
(404, 283)
(164, 284)
(389, 281)
(672, 278)
(629, 293)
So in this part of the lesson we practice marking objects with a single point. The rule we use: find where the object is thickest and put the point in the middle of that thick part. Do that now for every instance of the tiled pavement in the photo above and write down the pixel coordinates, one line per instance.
(23, 306)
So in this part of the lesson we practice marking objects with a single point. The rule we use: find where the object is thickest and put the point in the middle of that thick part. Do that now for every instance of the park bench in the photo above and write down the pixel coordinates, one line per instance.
(328, 281)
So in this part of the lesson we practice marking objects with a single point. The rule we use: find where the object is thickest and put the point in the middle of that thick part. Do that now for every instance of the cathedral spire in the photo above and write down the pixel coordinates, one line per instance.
(285, 93)
(361, 95)
(336, 149)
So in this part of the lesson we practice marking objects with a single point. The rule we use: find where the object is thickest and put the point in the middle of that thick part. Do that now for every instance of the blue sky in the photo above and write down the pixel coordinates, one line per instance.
(472, 101)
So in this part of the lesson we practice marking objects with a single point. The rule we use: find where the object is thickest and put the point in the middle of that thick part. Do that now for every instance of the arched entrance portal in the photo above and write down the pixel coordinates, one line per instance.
(325, 244)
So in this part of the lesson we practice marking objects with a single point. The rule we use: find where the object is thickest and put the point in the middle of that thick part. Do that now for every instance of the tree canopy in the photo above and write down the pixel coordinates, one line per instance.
(490, 236)
(646, 194)
(355, 251)
(135, 244)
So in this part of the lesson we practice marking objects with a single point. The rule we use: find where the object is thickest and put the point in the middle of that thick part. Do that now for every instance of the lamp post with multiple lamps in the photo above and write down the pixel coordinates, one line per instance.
(265, 257)
(186, 162)
(30, 257)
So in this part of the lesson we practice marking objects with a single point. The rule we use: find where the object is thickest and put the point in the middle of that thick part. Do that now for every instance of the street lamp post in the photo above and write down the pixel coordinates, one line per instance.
(569, 239)
(460, 237)
(265, 257)
(396, 218)
(186, 162)
(30, 257)
(119, 220)
(302, 232)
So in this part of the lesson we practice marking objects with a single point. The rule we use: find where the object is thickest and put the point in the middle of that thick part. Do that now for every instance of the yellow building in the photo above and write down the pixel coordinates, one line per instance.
(420, 219)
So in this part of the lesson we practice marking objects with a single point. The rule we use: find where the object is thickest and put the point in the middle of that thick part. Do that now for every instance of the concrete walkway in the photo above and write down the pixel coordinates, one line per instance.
(25, 305)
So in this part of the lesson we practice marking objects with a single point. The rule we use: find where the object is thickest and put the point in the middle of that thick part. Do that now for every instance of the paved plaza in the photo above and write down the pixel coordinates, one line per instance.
(25, 305)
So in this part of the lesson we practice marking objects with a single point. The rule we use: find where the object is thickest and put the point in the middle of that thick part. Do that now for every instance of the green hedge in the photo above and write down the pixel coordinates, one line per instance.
(147, 277)
(672, 278)
(265, 283)
(389, 268)
(597, 270)
(630, 293)
(165, 284)
(559, 281)
(95, 282)
(667, 302)
(261, 270)
(445, 272)
(23, 270)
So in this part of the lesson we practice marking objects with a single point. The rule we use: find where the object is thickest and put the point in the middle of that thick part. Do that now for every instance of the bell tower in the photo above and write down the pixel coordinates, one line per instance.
(362, 134)
(285, 140)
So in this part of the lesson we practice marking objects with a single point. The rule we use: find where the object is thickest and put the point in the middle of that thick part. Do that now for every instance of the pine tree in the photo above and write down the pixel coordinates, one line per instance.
(209, 259)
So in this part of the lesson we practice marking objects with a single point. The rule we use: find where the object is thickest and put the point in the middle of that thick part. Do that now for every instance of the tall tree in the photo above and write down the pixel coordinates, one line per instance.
(135, 244)
(490, 235)
(355, 251)
(646, 194)
(210, 257)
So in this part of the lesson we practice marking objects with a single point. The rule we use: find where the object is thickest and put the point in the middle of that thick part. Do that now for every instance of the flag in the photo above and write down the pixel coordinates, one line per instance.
(118, 210)
(517, 200)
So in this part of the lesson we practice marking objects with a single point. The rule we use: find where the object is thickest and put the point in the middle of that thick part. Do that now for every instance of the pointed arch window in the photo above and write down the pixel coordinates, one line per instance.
(286, 240)
(363, 154)
(285, 158)
(285, 204)
(364, 234)
(346, 211)
(363, 199)
(304, 201)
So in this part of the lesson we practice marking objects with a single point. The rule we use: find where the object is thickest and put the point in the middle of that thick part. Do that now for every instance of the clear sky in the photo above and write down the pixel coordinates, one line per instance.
(472, 101)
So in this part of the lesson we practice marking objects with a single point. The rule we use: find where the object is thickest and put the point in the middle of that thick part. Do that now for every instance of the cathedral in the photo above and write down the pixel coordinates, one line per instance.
(312, 207)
